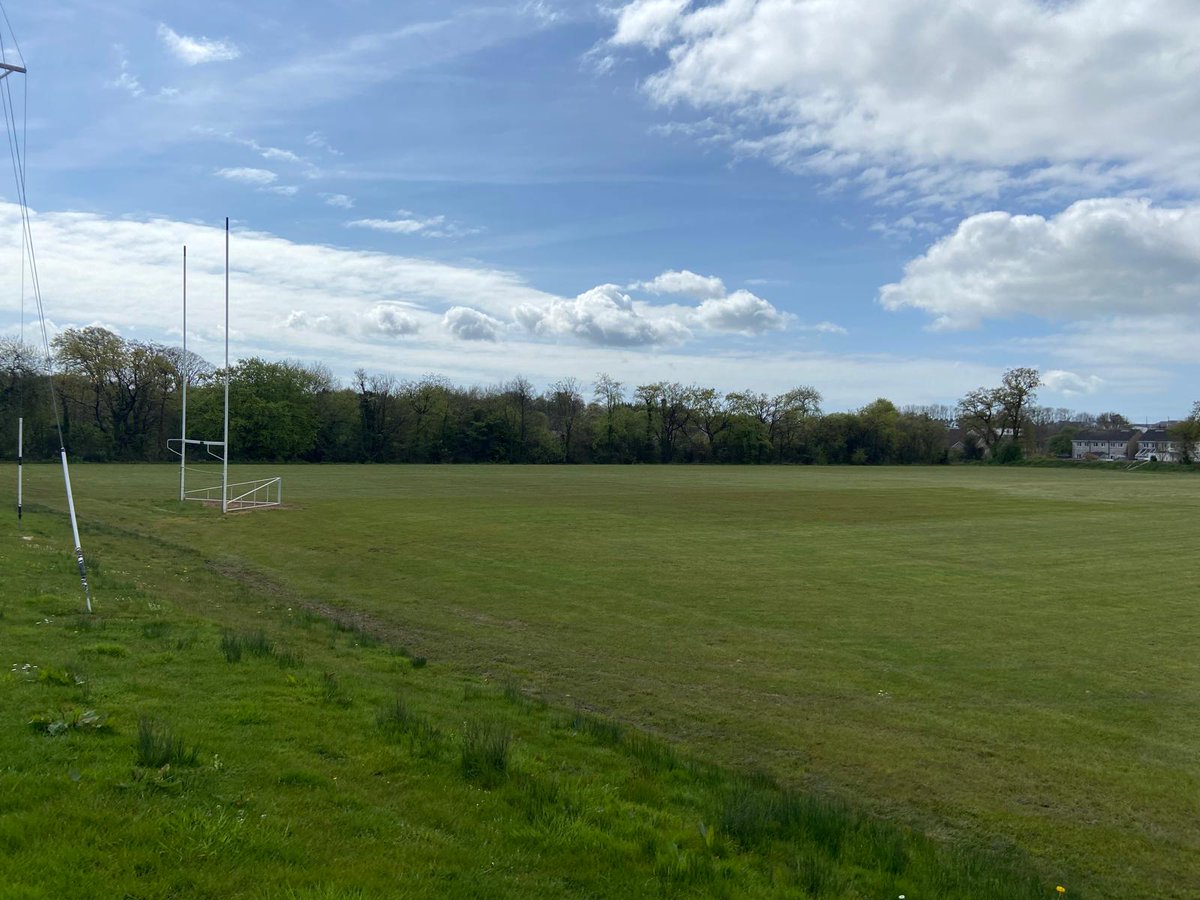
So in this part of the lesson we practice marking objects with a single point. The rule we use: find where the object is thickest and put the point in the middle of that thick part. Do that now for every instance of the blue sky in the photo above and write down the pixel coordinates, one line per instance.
(896, 202)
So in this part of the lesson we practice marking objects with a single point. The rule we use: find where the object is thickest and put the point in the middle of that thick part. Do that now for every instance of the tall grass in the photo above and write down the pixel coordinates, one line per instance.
(157, 746)
(484, 751)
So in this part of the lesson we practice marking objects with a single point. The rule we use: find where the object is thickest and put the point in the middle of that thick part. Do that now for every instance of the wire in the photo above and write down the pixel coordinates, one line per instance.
(18, 165)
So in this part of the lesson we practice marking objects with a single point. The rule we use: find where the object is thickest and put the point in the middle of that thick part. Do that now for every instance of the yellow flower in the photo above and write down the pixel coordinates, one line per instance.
(1061, 889)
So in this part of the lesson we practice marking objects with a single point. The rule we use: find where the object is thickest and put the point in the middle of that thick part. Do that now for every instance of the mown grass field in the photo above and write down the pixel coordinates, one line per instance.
(1003, 659)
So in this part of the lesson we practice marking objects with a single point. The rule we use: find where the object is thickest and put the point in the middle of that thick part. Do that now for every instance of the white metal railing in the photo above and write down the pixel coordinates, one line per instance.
(256, 494)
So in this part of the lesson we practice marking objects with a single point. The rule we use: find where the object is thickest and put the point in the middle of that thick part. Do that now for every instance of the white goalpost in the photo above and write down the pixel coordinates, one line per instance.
(261, 493)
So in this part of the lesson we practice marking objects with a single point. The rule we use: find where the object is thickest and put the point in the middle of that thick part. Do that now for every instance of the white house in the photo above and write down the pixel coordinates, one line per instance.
(1102, 444)
(1157, 445)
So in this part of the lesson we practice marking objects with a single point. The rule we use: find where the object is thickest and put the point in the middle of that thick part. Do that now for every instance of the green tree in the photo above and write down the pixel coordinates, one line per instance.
(115, 392)
(1186, 435)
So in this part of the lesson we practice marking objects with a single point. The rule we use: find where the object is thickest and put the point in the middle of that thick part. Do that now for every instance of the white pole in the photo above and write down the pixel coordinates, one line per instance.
(225, 461)
(75, 530)
(20, 461)
(183, 424)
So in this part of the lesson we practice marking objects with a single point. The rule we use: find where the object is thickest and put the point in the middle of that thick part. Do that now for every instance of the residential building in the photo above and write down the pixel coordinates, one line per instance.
(1113, 444)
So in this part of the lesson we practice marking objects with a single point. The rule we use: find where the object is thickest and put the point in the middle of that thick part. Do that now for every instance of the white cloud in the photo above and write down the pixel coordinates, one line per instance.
(317, 140)
(341, 201)
(387, 320)
(247, 175)
(649, 22)
(284, 190)
(278, 154)
(741, 312)
(828, 328)
(468, 324)
(605, 316)
(395, 226)
(194, 51)
(688, 284)
(392, 320)
(1058, 381)
(348, 309)
(916, 99)
(337, 302)
(1096, 258)
(433, 226)
(125, 79)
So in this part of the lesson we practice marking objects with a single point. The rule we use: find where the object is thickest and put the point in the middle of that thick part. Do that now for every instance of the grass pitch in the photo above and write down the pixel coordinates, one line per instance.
(1002, 658)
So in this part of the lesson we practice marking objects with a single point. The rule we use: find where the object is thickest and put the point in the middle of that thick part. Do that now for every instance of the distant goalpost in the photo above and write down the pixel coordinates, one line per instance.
(261, 493)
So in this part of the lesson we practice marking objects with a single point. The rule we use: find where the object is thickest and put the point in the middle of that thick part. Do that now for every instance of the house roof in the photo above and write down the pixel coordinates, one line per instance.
(1115, 435)
(1156, 434)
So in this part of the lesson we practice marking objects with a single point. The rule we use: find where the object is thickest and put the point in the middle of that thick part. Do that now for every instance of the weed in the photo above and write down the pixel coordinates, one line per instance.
(157, 746)
(485, 747)
(362, 636)
(52, 675)
(398, 722)
(816, 874)
(114, 650)
(545, 802)
(418, 662)
(156, 630)
(289, 659)
(69, 719)
(679, 866)
(231, 646)
(206, 834)
(653, 754)
(332, 692)
(395, 719)
(256, 643)
(306, 619)
(517, 697)
(602, 730)
(185, 642)
(86, 623)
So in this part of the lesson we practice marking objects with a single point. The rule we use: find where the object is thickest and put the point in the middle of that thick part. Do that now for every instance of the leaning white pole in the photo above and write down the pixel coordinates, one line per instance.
(20, 463)
(225, 460)
(184, 373)
(87, 593)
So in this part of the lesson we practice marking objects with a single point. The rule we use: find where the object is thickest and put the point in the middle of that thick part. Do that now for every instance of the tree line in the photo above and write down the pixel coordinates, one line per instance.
(121, 400)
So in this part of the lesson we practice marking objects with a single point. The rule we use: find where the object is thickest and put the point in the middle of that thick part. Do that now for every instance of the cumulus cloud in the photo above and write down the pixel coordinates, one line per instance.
(196, 50)
(247, 175)
(913, 99)
(604, 315)
(741, 312)
(688, 284)
(649, 22)
(608, 316)
(341, 201)
(468, 324)
(1096, 258)
(392, 320)
(1059, 381)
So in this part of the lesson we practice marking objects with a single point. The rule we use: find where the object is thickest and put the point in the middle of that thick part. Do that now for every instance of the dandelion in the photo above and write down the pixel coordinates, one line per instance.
(1061, 889)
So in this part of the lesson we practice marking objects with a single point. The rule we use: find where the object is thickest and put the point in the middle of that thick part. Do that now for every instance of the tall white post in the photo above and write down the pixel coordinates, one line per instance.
(87, 593)
(184, 373)
(225, 460)
(20, 462)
